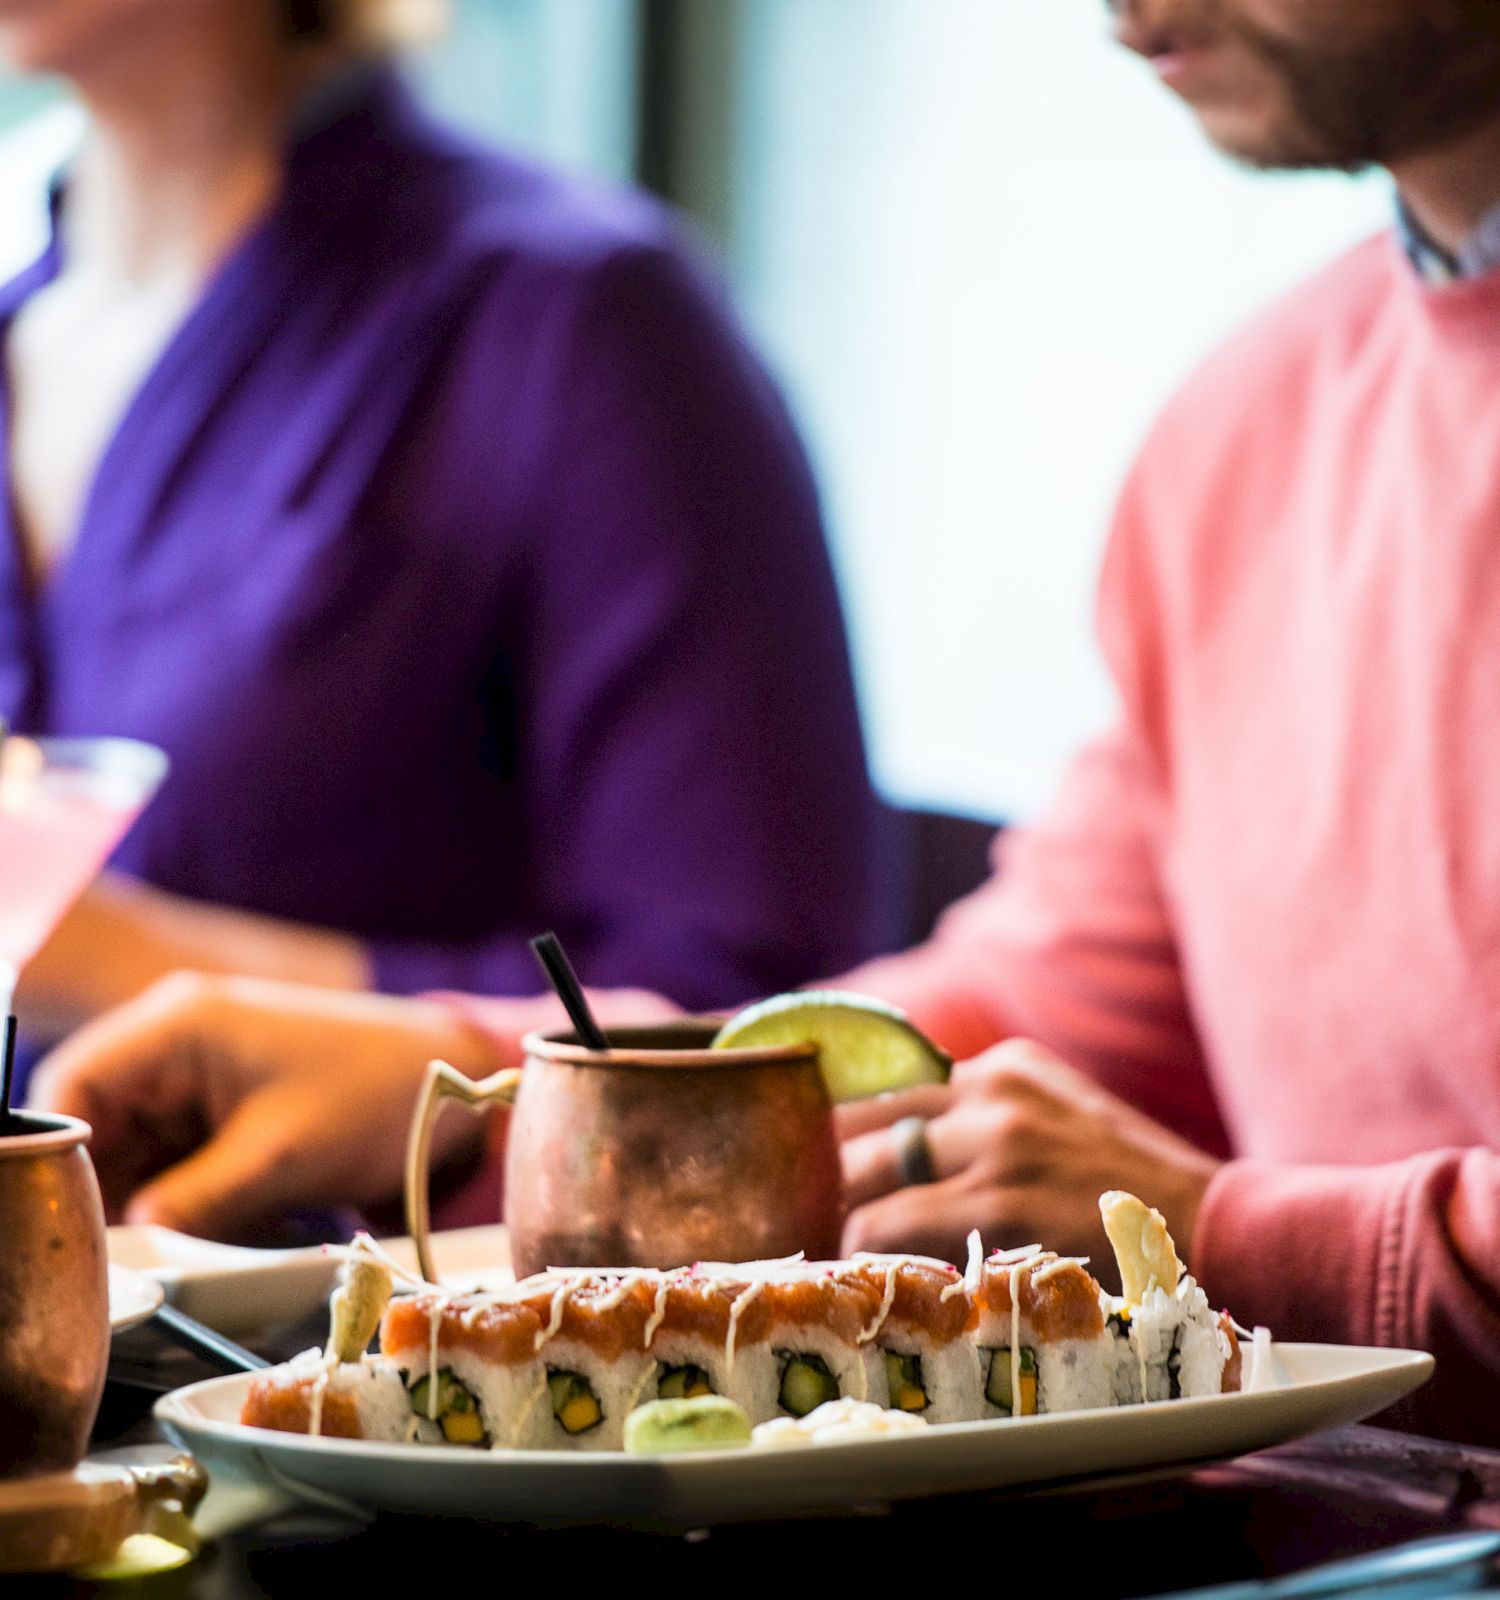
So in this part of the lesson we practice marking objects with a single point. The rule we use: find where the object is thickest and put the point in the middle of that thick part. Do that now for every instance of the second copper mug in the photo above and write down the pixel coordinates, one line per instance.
(657, 1152)
(54, 1294)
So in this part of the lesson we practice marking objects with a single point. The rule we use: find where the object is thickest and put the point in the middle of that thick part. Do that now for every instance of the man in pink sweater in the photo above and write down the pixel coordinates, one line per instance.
(1257, 940)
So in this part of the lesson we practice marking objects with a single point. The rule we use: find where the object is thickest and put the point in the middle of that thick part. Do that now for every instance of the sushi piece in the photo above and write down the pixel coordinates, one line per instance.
(705, 1321)
(1170, 1343)
(340, 1392)
(1041, 1336)
(595, 1345)
(471, 1368)
(923, 1331)
(364, 1399)
(803, 1337)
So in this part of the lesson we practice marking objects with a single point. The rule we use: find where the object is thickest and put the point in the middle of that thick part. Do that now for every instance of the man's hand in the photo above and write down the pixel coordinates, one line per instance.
(218, 1102)
(1023, 1146)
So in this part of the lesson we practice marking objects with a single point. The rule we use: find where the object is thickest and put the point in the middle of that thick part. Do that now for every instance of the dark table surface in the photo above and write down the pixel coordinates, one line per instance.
(1339, 1494)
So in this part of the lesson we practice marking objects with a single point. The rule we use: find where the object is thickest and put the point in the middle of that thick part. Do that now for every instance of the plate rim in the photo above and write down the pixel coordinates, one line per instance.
(152, 1295)
(172, 1408)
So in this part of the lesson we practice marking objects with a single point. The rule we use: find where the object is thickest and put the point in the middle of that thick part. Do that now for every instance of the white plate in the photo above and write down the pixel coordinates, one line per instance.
(242, 1292)
(1325, 1386)
(133, 1298)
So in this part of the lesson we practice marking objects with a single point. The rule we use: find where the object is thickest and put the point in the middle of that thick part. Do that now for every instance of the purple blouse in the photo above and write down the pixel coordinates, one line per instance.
(466, 564)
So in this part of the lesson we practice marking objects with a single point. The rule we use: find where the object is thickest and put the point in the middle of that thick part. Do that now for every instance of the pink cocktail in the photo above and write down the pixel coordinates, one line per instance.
(64, 805)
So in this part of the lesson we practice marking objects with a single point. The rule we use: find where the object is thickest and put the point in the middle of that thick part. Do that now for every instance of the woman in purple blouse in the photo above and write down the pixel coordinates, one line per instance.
(426, 507)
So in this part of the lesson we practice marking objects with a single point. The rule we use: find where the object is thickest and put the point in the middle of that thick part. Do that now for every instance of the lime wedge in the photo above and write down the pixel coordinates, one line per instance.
(866, 1047)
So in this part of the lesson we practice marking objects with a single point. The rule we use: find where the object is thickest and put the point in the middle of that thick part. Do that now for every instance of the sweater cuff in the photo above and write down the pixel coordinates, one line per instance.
(1303, 1251)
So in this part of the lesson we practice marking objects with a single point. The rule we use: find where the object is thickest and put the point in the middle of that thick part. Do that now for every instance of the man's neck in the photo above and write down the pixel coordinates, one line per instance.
(1449, 190)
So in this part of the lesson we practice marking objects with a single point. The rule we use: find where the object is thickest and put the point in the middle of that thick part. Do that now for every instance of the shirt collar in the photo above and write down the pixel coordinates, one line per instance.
(1478, 256)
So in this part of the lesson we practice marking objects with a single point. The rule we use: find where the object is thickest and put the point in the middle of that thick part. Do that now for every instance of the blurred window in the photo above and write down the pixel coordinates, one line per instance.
(983, 245)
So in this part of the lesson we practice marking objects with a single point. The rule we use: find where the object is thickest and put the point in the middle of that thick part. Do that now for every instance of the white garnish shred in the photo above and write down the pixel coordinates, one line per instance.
(973, 1272)
(1022, 1252)
(363, 1245)
(1052, 1268)
(658, 1309)
(530, 1405)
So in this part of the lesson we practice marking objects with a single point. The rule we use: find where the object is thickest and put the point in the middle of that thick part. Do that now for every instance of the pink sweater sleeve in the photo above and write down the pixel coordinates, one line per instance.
(1406, 1255)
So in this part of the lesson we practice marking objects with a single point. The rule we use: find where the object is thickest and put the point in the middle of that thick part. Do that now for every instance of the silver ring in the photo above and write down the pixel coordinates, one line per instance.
(913, 1152)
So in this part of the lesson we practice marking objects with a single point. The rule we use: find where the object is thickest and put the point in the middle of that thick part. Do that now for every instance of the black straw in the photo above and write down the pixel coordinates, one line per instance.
(7, 1070)
(564, 980)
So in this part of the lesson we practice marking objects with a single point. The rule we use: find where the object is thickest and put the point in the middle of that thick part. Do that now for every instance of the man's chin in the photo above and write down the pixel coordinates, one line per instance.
(1259, 142)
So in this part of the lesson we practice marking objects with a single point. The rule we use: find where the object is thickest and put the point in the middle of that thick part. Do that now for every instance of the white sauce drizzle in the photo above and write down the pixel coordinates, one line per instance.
(435, 1312)
(741, 1303)
(560, 1297)
(319, 1389)
(1016, 1262)
(658, 1310)
(524, 1415)
(1015, 1338)
(887, 1300)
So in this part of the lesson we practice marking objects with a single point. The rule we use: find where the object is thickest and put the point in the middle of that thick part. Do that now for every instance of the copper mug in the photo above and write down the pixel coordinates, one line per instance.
(54, 1294)
(657, 1152)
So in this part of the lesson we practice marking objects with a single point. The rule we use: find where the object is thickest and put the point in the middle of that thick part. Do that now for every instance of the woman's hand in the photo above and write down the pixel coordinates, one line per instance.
(1022, 1146)
(122, 936)
(219, 1102)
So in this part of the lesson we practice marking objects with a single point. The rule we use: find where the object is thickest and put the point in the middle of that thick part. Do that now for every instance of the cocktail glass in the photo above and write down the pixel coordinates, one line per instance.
(64, 806)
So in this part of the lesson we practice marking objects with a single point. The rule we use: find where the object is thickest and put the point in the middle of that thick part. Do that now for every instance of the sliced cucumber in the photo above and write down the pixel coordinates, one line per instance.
(997, 1389)
(904, 1379)
(686, 1382)
(456, 1412)
(806, 1383)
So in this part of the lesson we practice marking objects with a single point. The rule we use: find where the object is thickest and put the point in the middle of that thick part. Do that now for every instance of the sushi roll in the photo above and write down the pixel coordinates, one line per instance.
(803, 1335)
(1169, 1342)
(471, 1368)
(364, 1399)
(923, 1332)
(1040, 1335)
(595, 1340)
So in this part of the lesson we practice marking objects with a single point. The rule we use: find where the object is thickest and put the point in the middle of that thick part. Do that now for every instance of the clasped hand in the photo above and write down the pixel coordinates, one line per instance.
(1022, 1146)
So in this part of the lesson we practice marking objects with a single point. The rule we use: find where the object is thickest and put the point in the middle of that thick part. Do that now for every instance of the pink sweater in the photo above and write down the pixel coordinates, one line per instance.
(1266, 906)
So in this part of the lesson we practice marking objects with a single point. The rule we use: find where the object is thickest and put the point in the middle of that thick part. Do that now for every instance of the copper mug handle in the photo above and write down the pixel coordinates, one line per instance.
(442, 1083)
